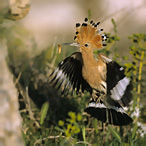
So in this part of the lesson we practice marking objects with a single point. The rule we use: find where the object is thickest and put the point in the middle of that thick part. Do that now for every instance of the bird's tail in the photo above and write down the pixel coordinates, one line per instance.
(88, 32)
(110, 115)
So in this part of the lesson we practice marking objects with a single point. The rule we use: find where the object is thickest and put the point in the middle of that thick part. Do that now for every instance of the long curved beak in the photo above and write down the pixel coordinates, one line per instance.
(72, 44)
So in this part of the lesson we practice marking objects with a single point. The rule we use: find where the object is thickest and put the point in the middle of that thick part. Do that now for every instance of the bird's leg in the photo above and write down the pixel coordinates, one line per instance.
(95, 95)
(98, 96)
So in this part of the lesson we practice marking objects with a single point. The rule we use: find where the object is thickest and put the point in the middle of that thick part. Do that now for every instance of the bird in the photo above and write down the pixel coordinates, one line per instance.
(105, 80)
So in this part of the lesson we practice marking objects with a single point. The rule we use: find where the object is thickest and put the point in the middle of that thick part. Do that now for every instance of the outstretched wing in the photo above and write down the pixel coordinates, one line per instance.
(109, 114)
(109, 110)
(68, 75)
(118, 85)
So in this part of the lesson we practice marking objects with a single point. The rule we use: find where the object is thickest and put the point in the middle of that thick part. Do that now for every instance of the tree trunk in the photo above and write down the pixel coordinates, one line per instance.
(10, 120)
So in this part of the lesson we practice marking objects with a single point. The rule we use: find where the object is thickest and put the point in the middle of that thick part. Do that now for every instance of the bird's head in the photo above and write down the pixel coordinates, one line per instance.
(88, 36)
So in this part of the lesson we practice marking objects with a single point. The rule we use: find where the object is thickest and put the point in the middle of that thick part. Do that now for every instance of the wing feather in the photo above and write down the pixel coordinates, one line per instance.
(69, 75)
(118, 85)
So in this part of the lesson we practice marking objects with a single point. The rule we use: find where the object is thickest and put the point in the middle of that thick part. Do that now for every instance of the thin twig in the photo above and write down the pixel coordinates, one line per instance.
(84, 143)
(18, 78)
(49, 137)
(140, 76)
(27, 101)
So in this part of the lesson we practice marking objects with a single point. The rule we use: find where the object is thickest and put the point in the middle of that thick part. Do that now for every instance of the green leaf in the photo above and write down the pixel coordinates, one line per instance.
(89, 14)
(44, 111)
(84, 133)
(114, 24)
(95, 125)
(115, 134)
(134, 131)
(126, 144)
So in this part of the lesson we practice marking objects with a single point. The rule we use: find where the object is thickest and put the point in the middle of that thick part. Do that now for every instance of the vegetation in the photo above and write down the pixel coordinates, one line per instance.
(49, 118)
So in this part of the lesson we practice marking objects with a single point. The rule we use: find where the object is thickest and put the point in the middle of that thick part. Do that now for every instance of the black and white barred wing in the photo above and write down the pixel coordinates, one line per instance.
(110, 110)
(68, 75)
(110, 114)
(118, 85)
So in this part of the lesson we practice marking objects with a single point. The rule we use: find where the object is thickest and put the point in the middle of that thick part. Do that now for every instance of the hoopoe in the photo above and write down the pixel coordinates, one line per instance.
(103, 78)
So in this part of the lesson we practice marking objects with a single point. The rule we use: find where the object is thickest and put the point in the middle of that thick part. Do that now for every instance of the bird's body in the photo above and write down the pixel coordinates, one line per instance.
(103, 78)
(94, 72)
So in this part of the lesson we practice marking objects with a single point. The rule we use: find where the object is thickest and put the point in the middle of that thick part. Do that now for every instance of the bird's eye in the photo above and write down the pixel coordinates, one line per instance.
(86, 45)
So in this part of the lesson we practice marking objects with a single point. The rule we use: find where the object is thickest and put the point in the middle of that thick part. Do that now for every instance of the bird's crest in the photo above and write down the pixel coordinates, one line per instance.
(89, 33)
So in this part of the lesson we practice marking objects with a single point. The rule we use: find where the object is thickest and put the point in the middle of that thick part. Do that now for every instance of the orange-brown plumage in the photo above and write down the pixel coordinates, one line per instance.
(88, 33)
